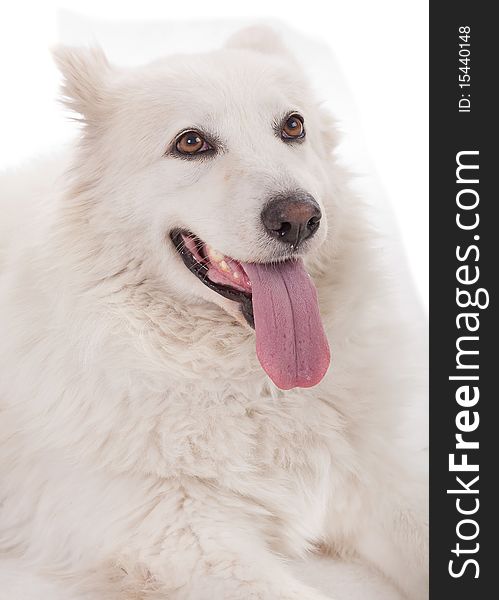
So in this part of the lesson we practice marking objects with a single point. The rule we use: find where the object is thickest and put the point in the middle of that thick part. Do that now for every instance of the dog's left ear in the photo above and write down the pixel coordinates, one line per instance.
(260, 38)
(87, 74)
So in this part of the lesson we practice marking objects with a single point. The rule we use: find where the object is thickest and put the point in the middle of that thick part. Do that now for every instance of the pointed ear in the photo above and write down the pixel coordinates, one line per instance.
(86, 72)
(260, 38)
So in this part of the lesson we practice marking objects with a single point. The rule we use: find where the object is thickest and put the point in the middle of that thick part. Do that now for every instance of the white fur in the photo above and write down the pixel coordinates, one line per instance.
(144, 453)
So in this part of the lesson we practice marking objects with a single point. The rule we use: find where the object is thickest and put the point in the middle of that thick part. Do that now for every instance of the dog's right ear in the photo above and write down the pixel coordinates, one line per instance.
(260, 38)
(86, 73)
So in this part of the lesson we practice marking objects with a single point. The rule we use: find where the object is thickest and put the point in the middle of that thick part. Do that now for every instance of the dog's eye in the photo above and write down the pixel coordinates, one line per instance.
(191, 142)
(293, 127)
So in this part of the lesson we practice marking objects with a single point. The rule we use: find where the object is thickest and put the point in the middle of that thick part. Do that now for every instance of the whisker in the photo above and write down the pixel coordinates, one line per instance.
(182, 245)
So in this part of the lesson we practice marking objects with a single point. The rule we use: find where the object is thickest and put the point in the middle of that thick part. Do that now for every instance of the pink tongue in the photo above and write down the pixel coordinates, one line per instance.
(290, 340)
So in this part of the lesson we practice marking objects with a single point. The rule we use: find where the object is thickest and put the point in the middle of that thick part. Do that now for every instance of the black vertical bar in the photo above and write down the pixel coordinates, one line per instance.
(463, 118)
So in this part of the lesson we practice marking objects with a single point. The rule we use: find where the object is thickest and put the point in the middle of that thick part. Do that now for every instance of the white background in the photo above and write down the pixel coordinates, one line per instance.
(381, 47)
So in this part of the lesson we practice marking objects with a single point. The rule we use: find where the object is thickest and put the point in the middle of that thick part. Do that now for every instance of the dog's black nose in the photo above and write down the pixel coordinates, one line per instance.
(292, 218)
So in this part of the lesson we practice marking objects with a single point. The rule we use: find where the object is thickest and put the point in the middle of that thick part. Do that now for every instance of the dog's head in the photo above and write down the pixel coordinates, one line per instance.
(218, 165)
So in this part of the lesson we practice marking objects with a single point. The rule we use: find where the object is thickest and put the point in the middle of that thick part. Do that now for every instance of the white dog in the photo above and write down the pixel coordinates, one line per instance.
(209, 366)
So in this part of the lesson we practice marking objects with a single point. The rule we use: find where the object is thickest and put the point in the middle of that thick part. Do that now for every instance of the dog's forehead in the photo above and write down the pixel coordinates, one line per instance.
(228, 82)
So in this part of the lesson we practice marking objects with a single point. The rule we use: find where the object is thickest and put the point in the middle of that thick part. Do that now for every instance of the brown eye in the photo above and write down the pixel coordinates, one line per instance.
(293, 127)
(191, 142)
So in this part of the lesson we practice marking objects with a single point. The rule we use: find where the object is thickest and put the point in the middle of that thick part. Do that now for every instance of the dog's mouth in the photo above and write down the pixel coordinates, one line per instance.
(221, 273)
(278, 300)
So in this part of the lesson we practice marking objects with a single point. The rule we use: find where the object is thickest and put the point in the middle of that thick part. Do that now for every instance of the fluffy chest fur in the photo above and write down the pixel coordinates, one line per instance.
(133, 388)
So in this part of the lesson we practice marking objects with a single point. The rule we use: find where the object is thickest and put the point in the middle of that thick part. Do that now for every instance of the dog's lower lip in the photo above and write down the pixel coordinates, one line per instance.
(200, 269)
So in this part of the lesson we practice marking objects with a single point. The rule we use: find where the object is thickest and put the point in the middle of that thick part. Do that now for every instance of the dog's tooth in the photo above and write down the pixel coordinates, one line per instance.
(224, 266)
(214, 255)
(235, 275)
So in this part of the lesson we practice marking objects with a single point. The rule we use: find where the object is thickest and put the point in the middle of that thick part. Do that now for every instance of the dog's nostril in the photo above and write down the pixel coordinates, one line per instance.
(284, 229)
(292, 219)
(313, 223)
